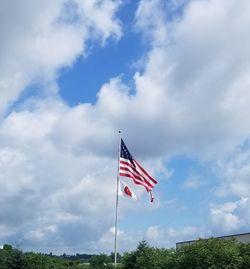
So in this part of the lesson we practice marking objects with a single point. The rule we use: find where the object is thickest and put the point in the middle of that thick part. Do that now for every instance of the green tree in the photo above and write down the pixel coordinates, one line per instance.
(118, 257)
(210, 254)
(245, 254)
(37, 261)
(15, 259)
(101, 261)
(144, 257)
(165, 258)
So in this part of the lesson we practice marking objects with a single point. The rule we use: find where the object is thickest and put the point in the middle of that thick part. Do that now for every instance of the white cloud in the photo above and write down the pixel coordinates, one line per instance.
(231, 216)
(155, 236)
(192, 98)
(194, 77)
(125, 241)
(59, 175)
(101, 16)
(52, 188)
(234, 172)
(39, 38)
(6, 231)
(161, 237)
(151, 21)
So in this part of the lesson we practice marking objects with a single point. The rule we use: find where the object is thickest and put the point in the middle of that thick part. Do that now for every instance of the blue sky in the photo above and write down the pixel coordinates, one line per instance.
(172, 75)
(116, 58)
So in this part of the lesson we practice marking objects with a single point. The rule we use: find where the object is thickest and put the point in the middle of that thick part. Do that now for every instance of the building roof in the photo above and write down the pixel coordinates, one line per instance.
(237, 236)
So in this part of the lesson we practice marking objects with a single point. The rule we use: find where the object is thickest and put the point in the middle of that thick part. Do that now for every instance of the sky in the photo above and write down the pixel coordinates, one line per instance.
(172, 75)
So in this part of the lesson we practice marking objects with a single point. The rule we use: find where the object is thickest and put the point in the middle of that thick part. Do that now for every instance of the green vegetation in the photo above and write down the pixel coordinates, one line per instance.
(212, 253)
(203, 254)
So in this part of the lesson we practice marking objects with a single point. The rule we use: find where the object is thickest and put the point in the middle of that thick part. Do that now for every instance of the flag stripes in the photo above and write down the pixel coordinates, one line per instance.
(136, 173)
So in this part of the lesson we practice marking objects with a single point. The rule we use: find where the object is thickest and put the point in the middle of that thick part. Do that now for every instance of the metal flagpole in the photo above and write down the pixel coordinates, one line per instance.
(117, 189)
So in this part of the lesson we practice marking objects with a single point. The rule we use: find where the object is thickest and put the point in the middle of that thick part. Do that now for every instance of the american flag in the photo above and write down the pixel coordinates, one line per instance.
(129, 167)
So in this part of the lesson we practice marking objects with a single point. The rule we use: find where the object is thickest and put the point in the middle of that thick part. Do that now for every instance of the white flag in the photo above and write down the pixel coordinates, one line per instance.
(124, 190)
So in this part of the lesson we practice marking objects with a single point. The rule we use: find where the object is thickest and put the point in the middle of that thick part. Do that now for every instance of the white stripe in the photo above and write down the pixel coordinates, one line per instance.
(139, 171)
(144, 175)
(133, 173)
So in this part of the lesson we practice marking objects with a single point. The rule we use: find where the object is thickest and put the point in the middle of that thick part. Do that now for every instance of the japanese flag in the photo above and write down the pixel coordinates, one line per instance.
(124, 190)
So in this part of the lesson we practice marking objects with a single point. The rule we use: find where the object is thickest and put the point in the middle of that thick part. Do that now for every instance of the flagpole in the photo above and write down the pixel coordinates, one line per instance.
(117, 189)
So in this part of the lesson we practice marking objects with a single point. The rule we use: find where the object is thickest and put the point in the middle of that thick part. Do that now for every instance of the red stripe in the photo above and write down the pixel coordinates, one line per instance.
(136, 176)
(136, 170)
(135, 181)
(147, 180)
(133, 168)
(136, 173)
(143, 170)
(127, 171)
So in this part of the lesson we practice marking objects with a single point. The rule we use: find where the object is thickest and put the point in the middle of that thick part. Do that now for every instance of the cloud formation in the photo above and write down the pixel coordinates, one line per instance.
(231, 216)
(40, 38)
(191, 98)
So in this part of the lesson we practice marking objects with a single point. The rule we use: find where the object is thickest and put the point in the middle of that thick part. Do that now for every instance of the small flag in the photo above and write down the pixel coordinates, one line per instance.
(126, 191)
(129, 167)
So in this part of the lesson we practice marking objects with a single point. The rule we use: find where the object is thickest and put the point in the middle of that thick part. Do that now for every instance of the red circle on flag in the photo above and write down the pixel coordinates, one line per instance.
(128, 191)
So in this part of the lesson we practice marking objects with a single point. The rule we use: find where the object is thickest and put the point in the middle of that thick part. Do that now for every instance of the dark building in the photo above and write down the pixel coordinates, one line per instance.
(243, 238)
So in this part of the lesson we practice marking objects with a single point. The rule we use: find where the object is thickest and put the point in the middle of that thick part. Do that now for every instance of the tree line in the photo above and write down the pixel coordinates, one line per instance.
(210, 253)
